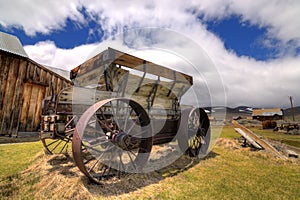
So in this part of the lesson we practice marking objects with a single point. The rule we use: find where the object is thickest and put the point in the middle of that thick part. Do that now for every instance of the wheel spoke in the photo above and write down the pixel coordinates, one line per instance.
(97, 161)
(130, 151)
(66, 143)
(131, 127)
(121, 164)
(131, 160)
(71, 120)
(127, 117)
(59, 142)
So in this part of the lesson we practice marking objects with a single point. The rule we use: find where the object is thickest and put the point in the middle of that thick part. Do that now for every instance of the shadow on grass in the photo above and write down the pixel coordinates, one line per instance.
(132, 182)
(64, 165)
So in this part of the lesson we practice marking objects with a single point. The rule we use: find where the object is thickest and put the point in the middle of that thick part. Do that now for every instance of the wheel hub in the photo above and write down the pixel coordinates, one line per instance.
(124, 140)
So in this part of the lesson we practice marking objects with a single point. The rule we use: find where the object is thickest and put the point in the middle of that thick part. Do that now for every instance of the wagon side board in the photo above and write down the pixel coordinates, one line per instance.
(145, 82)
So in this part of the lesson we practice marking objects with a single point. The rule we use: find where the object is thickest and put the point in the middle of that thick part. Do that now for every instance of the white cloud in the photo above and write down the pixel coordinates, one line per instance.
(259, 83)
(279, 17)
(38, 15)
(47, 53)
(247, 81)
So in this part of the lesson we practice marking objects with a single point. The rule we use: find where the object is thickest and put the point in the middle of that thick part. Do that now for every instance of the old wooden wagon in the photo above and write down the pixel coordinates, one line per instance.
(119, 107)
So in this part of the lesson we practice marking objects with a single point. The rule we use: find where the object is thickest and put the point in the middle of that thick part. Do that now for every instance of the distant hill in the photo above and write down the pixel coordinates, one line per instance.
(288, 111)
(246, 111)
(239, 109)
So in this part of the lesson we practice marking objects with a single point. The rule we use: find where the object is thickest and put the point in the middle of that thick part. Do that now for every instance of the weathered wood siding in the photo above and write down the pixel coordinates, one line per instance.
(23, 85)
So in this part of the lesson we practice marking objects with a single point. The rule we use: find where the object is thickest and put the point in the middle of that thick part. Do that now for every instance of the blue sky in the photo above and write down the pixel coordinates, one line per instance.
(241, 37)
(255, 46)
(70, 36)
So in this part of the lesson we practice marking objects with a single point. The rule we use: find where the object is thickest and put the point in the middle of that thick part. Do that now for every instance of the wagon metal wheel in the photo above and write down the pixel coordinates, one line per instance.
(62, 141)
(112, 137)
(194, 132)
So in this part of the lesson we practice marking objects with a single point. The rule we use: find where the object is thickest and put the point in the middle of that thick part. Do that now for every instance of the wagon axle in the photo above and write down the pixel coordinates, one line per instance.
(123, 140)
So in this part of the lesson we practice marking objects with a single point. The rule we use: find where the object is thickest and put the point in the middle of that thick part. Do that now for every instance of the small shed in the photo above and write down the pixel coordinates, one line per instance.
(23, 86)
(267, 114)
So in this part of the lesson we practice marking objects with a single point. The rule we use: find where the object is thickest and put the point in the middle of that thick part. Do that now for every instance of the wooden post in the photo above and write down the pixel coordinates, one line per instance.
(292, 108)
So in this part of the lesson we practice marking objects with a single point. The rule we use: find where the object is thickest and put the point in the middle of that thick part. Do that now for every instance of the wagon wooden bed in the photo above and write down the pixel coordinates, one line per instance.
(117, 109)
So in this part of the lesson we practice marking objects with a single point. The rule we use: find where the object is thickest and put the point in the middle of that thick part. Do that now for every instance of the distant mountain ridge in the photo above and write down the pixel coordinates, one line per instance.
(248, 110)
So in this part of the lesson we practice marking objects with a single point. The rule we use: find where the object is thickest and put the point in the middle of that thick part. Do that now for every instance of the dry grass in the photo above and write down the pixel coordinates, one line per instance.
(50, 177)
(57, 177)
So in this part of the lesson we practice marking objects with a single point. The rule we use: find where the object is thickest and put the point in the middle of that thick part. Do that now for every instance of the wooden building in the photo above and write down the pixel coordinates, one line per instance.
(23, 86)
(267, 114)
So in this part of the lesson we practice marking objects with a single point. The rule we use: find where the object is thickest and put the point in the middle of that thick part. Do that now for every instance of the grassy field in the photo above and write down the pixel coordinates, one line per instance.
(293, 140)
(229, 172)
(229, 132)
(17, 157)
(230, 175)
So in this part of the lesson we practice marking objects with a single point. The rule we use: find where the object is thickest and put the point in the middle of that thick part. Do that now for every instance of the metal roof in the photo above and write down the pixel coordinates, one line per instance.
(11, 44)
(61, 72)
(267, 112)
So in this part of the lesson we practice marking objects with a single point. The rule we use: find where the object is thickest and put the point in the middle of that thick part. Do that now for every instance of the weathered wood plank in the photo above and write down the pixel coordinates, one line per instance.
(248, 138)
(43, 76)
(26, 105)
(83, 96)
(136, 63)
(38, 109)
(36, 75)
(32, 108)
(291, 153)
(90, 78)
(18, 100)
(9, 94)
(54, 83)
(48, 80)
(263, 143)
(90, 65)
(30, 72)
(93, 68)
(15, 89)
(4, 68)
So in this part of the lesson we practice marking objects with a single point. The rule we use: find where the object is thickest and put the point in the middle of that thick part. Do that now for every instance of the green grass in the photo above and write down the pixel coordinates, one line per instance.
(17, 157)
(232, 174)
(293, 140)
(229, 132)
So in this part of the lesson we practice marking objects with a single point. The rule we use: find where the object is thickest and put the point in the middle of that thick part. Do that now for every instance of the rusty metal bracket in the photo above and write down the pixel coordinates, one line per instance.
(141, 81)
(152, 94)
(173, 84)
